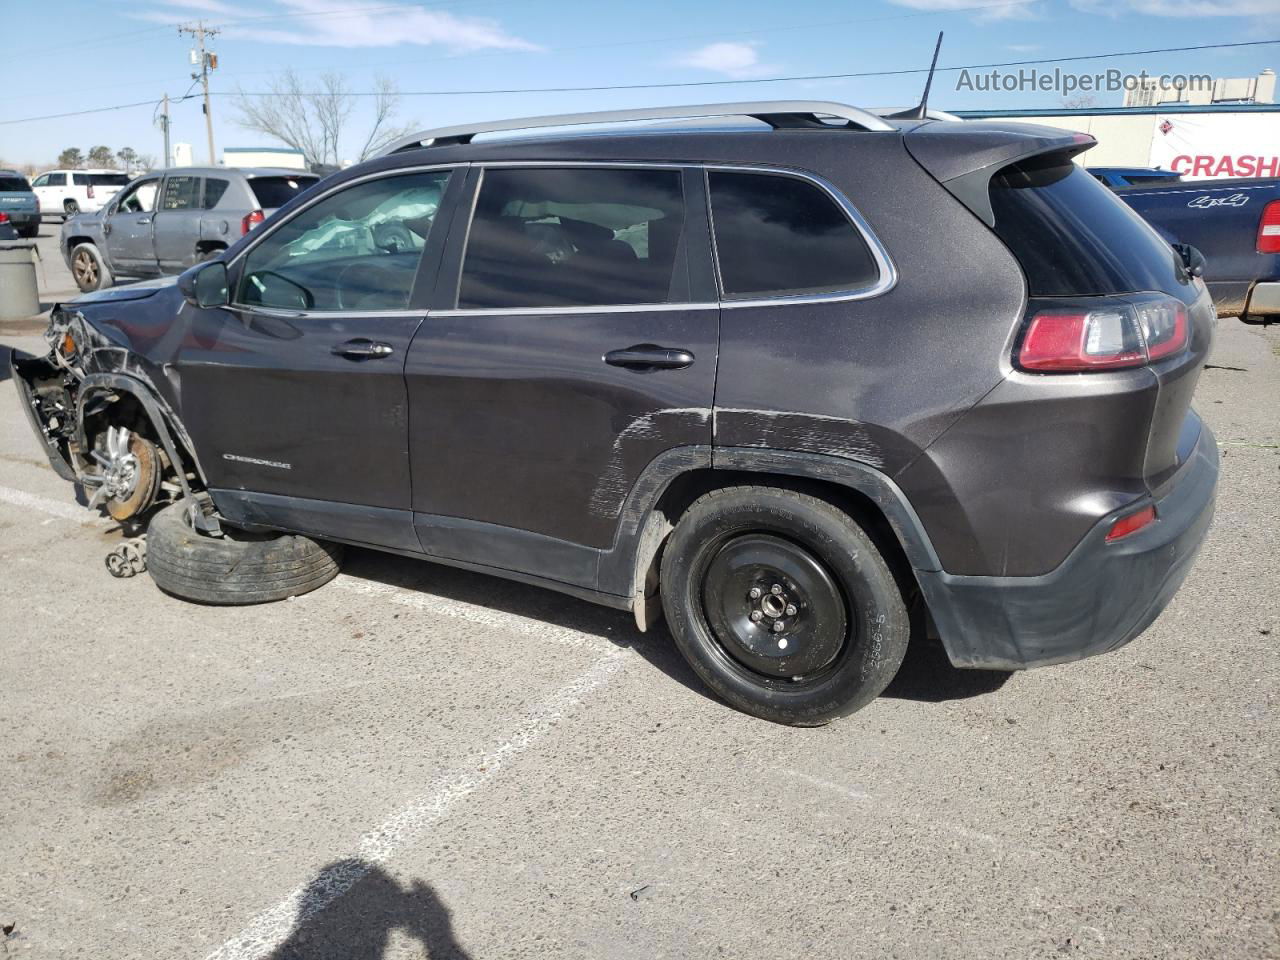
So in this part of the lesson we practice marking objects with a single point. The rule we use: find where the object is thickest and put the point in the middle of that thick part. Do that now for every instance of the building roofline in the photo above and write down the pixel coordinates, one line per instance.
(1121, 111)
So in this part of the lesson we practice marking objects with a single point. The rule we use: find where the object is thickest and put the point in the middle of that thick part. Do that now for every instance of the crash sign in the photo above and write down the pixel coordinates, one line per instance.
(1216, 146)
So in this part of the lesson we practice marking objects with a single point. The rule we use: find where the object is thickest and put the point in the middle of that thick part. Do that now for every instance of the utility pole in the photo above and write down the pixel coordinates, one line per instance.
(205, 61)
(164, 126)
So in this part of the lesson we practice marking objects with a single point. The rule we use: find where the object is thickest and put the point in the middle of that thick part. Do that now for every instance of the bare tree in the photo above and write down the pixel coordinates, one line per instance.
(1082, 102)
(315, 118)
(144, 163)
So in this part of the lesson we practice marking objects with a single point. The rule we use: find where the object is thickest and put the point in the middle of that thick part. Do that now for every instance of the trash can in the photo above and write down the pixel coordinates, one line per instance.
(18, 292)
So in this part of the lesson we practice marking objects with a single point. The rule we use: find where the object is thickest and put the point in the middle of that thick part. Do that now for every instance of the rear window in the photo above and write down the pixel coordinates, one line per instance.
(10, 184)
(272, 192)
(1073, 236)
(781, 236)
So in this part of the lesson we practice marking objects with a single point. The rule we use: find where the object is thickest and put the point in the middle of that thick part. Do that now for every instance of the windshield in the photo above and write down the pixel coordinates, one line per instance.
(273, 192)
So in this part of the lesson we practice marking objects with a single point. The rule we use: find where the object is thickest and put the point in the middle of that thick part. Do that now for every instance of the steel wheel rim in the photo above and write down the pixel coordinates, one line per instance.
(775, 612)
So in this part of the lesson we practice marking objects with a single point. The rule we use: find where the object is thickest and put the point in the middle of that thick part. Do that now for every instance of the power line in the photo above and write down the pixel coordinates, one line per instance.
(695, 83)
(812, 76)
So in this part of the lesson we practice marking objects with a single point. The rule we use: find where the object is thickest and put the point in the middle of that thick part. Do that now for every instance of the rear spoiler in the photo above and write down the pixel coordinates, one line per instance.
(964, 156)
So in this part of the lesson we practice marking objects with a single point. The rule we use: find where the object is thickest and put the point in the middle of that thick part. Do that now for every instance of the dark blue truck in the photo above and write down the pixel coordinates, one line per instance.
(1234, 223)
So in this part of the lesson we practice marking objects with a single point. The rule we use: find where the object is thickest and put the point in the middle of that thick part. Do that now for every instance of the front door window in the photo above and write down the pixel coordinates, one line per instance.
(355, 250)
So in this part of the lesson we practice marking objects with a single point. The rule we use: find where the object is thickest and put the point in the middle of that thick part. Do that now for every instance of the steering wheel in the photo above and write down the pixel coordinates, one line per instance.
(364, 285)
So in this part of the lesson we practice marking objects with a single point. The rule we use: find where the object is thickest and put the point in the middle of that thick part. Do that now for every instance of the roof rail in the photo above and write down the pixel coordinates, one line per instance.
(776, 113)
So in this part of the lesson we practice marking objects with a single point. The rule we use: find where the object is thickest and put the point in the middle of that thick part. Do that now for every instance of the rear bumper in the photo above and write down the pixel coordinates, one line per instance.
(23, 218)
(1264, 298)
(1101, 597)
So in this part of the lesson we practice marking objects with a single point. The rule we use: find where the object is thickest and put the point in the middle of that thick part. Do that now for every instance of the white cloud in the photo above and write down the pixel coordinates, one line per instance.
(344, 23)
(1179, 8)
(737, 60)
(982, 10)
(1023, 47)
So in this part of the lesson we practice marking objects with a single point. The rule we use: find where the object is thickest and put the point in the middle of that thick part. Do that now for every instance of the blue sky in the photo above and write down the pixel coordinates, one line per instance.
(100, 53)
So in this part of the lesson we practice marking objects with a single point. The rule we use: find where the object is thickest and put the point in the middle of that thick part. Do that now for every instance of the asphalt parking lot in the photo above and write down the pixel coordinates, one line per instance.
(418, 761)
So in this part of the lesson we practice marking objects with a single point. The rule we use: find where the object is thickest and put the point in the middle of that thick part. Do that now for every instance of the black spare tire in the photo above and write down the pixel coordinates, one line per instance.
(239, 567)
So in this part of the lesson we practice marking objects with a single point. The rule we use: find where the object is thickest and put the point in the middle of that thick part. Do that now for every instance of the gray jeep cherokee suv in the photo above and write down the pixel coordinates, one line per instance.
(810, 386)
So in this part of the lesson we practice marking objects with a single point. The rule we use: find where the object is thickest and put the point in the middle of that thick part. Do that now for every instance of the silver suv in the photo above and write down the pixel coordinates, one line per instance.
(165, 221)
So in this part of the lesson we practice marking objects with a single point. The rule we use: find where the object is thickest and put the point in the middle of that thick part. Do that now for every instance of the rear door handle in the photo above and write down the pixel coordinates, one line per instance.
(648, 356)
(363, 349)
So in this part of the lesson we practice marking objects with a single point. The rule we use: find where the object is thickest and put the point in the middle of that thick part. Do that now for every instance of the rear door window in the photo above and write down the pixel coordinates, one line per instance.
(273, 192)
(577, 237)
(181, 193)
(214, 188)
(1073, 236)
(782, 236)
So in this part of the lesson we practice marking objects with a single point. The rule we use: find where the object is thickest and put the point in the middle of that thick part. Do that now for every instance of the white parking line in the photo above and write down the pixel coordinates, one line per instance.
(406, 827)
(410, 824)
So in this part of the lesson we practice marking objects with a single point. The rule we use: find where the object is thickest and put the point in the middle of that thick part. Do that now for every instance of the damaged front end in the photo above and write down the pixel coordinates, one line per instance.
(103, 425)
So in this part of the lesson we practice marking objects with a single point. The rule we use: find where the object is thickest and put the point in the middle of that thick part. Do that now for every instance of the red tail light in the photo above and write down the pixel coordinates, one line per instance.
(1114, 334)
(89, 192)
(1269, 228)
(1131, 523)
(250, 221)
(4, 217)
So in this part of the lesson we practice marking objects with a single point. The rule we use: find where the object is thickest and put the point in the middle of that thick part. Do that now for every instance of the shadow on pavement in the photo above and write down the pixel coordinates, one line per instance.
(926, 674)
(350, 909)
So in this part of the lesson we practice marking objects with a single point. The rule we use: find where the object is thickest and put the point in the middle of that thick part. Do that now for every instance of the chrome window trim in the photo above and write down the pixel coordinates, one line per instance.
(886, 280)
(268, 231)
(887, 273)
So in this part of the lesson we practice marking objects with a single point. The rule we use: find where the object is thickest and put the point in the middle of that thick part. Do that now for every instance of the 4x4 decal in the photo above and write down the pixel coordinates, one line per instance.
(1235, 200)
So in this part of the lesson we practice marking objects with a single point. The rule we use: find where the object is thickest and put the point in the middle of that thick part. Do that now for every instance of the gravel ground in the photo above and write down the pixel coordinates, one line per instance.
(418, 761)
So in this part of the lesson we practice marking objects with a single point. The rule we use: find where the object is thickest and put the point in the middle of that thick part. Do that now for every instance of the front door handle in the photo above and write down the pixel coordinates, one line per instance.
(363, 349)
(648, 356)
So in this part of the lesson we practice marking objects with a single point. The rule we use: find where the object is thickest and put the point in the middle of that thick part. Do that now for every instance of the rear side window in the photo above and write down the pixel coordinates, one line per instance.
(1073, 236)
(273, 192)
(14, 185)
(574, 238)
(181, 193)
(108, 179)
(214, 188)
(782, 236)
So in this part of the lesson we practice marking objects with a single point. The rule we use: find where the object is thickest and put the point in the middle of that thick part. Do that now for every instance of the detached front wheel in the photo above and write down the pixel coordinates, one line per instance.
(237, 568)
(783, 605)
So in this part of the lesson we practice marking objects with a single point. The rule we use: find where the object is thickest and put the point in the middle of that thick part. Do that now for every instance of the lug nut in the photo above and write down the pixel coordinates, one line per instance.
(791, 609)
(776, 589)
(756, 616)
(755, 593)
(778, 626)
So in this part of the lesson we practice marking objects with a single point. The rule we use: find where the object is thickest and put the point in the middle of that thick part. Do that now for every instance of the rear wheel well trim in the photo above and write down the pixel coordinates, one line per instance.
(157, 413)
(645, 525)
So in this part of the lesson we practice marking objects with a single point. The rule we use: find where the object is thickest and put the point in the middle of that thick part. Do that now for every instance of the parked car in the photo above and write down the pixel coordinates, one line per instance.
(163, 222)
(18, 204)
(77, 191)
(1134, 176)
(1235, 224)
(804, 389)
